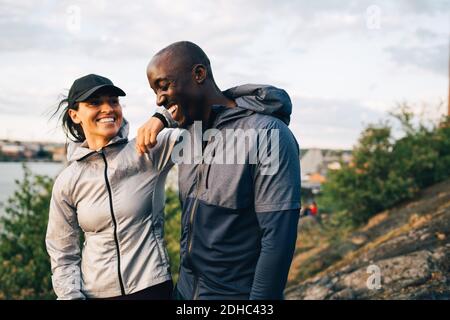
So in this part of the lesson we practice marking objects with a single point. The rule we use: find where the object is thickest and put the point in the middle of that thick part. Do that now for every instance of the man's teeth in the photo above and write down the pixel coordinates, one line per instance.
(106, 120)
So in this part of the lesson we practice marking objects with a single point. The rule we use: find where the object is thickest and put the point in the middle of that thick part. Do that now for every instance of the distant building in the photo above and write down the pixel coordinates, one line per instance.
(58, 153)
(36, 151)
(316, 163)
(13, 150)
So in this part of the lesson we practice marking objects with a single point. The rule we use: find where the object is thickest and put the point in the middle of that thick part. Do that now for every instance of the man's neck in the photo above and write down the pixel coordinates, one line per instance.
(216, 98)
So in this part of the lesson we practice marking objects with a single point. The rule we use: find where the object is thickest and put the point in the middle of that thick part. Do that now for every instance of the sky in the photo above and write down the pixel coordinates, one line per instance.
(344, 63)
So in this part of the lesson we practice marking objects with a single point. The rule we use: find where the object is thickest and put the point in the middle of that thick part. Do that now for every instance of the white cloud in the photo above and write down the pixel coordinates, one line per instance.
(321, 51)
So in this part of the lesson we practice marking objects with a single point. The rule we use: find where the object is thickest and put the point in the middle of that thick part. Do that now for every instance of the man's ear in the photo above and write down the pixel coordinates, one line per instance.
(199, 73)
(74, 116)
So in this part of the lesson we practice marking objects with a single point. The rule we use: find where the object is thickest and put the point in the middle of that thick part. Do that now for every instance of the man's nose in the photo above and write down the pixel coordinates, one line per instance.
(161, 99)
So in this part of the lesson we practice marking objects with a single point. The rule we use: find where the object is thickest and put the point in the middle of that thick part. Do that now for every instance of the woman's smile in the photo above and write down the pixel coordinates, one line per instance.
(106, 120)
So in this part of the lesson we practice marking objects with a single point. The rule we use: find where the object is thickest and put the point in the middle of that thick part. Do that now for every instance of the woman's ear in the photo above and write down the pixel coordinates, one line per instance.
(74, 116)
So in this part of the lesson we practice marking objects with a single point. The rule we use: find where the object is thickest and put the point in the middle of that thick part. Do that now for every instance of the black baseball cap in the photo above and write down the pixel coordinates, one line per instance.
(85, 87)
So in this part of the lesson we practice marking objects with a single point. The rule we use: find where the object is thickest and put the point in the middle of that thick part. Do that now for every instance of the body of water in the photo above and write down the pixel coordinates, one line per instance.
(11, 171)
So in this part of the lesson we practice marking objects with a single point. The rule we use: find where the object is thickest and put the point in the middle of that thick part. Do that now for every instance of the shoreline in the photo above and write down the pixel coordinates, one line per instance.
(30, 160)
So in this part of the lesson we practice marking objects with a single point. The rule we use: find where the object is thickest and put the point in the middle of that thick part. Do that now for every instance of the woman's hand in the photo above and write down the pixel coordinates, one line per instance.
(148, 132)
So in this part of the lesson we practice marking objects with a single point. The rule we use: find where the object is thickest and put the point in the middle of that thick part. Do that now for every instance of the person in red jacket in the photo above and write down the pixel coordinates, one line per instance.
(313, 210)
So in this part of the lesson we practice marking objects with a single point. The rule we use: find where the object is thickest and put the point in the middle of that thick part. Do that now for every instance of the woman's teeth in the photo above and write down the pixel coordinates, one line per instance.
(106, 120)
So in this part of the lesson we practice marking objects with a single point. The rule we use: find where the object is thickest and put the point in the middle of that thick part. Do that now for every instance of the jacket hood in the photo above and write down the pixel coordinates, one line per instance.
(263, 99)
(78, 150)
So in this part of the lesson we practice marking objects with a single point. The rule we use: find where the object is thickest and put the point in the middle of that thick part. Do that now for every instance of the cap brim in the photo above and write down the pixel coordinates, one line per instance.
(109, 88)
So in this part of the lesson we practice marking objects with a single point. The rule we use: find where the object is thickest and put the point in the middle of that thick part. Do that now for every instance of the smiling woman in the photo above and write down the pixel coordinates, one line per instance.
(92, 98)
(114, 196)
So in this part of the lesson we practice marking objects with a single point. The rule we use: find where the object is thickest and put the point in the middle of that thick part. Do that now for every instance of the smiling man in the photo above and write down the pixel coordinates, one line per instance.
(239, 225)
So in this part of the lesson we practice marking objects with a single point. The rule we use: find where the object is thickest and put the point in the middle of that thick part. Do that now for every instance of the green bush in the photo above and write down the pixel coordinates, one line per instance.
(385, 171)
(24, 263)
(172, 229)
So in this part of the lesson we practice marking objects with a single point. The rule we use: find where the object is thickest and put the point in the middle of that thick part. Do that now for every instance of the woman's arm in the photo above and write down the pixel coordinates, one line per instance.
(161, 154)
(148, 133)
(63, 246)
(157, 142)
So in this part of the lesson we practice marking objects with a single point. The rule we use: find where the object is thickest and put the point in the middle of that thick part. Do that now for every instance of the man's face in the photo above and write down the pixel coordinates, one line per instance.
(174, 86)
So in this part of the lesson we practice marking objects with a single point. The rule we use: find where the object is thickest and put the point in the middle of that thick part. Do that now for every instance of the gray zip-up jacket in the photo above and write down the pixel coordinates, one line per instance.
(116, 197)
(239, 218)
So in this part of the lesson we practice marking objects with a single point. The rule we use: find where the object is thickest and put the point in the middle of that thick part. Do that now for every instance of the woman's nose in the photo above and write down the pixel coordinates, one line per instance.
(106, 107)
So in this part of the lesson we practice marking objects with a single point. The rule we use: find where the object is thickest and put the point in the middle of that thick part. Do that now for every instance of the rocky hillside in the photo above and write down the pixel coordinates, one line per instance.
(408, 244)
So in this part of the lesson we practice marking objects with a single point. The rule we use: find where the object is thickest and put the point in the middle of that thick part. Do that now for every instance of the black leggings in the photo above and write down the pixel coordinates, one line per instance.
(162, 291)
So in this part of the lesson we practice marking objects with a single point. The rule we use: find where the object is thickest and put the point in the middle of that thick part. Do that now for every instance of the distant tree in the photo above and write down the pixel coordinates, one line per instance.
(44, 154)
(24, 263)
(386, 170)
(3, 157)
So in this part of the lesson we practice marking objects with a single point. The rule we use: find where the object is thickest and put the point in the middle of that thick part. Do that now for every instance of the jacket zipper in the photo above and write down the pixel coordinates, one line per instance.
(193, 210)
(192, 215)
(208, 168)
(116, 240)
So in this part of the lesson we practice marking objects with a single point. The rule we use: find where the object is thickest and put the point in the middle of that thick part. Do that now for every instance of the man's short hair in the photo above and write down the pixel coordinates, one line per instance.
(187, 54)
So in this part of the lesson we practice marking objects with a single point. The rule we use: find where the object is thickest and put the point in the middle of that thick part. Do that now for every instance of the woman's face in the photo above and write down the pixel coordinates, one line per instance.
(101, 119)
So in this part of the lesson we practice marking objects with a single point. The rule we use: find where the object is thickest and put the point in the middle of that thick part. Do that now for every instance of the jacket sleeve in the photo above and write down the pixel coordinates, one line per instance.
(168, 116)
(277, 187)
(63, 246)
(161, 154)
(279, 234)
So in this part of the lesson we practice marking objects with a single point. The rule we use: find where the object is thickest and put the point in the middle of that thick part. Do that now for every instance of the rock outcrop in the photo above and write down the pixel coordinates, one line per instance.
(402, 253)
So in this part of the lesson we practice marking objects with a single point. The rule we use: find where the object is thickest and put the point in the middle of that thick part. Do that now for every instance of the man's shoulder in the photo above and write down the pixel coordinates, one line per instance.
(271, 125)
(262, 121)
